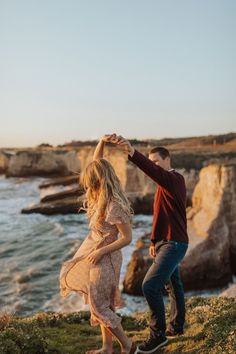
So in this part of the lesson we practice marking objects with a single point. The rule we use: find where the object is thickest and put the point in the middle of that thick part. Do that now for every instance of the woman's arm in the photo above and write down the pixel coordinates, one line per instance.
(126, 237)
(98, 153)
(125, 231)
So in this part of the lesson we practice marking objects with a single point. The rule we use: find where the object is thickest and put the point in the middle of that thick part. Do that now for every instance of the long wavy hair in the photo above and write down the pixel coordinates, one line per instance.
(101, 184)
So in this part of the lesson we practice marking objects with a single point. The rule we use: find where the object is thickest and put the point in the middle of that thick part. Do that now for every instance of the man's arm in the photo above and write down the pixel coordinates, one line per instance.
(155, 172)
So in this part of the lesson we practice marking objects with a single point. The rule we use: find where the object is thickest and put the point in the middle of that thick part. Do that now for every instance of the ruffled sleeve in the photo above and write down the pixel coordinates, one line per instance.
(116, 215)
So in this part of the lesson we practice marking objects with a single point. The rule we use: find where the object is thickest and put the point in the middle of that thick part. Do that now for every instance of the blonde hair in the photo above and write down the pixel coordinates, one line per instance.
(102, 184)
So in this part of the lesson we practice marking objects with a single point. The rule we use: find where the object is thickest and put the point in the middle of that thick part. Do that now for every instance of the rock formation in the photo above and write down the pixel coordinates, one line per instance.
(211, 262)
(36, 163)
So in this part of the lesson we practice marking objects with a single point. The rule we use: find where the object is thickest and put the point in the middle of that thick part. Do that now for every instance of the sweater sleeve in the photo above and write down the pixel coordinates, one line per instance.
(156, 173)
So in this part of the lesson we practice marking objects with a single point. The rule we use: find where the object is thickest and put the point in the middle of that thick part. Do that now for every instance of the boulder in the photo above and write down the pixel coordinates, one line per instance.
(141, 204)
(60, 181)
(69, 201)
(62, 206)
(72, 192)
(138, 266)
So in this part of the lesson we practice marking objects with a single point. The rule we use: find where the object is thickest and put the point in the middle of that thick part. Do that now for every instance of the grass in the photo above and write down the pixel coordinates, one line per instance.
(210, 329)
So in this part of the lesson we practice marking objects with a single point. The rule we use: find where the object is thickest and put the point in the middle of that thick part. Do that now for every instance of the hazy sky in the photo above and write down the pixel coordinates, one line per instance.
(146, 69)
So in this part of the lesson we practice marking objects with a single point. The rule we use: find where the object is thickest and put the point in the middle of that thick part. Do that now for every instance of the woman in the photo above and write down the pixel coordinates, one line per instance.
(94, 270)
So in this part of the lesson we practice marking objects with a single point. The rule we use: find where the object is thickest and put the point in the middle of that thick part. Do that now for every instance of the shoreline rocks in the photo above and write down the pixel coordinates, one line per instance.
(60, 181)
(70, 201)
(62, 206)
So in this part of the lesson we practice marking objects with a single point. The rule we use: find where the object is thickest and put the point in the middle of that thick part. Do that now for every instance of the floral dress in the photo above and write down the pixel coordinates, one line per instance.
(99, 283)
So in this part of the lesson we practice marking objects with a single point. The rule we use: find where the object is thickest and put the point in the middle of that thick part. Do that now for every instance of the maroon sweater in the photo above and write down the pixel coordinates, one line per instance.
(169, 211)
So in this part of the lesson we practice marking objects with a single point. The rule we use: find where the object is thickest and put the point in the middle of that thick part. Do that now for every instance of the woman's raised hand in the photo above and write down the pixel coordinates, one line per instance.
(108, 138)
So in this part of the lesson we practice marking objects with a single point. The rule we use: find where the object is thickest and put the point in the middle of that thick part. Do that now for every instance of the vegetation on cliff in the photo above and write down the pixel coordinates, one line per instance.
(210, 328)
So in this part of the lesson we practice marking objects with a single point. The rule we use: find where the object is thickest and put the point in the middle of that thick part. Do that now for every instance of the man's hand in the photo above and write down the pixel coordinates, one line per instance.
(152, 251)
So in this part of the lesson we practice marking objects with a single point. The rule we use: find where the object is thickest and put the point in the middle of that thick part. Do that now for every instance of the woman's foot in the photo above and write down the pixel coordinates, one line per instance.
(100, 351)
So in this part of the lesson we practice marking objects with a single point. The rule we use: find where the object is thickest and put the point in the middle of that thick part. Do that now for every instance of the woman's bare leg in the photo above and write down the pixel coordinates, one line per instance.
(106, 339)
(124, 341)
(106, 342)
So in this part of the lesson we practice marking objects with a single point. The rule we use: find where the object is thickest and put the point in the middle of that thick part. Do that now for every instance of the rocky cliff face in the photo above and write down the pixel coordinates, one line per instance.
(4, 161)
(213, 216)
(208, 197)
(36, 163)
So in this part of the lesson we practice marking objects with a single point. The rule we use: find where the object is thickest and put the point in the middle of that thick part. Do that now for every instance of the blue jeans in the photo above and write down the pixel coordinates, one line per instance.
(165, 269)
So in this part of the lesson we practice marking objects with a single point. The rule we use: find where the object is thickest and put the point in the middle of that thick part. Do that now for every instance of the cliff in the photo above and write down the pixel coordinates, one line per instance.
(214, 200)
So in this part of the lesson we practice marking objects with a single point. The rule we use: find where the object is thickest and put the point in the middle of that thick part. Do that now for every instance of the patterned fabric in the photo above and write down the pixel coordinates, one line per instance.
(98, 283)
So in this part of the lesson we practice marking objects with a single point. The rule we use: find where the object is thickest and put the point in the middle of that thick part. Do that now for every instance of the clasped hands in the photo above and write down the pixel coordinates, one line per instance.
(122, 143)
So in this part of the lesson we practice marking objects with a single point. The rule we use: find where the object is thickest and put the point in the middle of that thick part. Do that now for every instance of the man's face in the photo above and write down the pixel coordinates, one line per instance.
(158, 160)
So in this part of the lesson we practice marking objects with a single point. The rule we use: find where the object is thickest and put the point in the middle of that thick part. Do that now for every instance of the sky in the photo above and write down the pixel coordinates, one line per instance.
(75, 70)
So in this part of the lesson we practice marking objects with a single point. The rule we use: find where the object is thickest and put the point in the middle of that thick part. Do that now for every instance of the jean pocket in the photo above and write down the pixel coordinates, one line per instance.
(172, 245)
(167, 246)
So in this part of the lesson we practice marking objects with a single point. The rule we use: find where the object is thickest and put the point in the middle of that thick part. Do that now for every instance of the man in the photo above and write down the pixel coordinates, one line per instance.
(169, 243)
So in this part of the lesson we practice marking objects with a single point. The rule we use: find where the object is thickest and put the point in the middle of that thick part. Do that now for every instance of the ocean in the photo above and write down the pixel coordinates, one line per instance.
(33, 247)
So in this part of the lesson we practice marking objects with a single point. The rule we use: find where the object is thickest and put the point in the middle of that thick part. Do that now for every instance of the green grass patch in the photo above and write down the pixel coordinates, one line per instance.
(210, 329)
